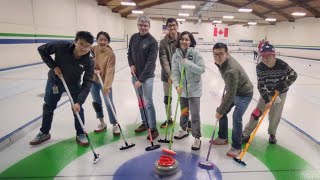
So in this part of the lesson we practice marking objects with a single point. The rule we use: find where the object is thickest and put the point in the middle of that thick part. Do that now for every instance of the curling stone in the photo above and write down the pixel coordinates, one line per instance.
(166, 166)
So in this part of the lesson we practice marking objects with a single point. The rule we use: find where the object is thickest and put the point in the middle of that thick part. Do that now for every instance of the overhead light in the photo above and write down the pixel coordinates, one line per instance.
(228, 17)
(188, 6)
(128, 4)
(298, 14)
(252, 23)
(181, 20)
(271, 19)
(245, 10)
(217, 22)
(184, 14)
(137, 12)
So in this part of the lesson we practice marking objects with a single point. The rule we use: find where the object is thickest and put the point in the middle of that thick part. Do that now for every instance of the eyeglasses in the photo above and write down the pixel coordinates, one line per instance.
(172, 25)
(219, 54)
(84, 46)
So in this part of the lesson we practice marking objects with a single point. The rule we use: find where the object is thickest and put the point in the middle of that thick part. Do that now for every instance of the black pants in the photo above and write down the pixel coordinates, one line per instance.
(51, 100)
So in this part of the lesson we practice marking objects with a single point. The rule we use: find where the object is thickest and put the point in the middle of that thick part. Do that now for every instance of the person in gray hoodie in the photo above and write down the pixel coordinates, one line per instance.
(188, 59)
(238, 93)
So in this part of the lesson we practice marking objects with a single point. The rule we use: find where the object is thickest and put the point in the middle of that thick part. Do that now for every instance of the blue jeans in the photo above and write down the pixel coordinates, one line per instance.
(147, 111)
(51, 100)
(95, 92)
(241, 104)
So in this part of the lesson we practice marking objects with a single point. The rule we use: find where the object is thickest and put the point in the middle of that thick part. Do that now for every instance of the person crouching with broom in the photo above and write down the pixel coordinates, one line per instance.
(273, 74)
(239, 92)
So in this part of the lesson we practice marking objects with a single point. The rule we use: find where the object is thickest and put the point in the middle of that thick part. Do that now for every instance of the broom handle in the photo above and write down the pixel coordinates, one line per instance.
(72, 102)
(214, 131)
(168, 108)
(175, 114)
(113, 111)
(257, 127)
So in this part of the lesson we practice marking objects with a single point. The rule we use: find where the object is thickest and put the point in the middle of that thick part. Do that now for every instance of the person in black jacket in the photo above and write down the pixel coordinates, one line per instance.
(71, 61)
(273, 74)
(142, 56)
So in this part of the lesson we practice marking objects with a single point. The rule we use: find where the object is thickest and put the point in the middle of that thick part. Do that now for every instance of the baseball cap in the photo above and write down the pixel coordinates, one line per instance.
(267, 49)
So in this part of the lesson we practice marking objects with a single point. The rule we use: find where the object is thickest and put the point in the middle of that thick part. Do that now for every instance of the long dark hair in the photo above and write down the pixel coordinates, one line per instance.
(193, 42)
(104, 34)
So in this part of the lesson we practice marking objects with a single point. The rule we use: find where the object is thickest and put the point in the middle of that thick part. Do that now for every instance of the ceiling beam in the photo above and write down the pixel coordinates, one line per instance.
(305, 6)
(103, 2)
(288, 17)
(125, 14)
(288, 6)
(118, 8)
(203, 7)
(233, 23)
(239, 6)
(138, 1)
(250, 2)
(284, 7)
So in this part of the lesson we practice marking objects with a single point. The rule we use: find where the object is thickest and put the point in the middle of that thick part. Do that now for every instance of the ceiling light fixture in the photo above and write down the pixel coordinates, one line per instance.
(217, 22)
(298, 14)
(247, 10)
(228, 17)
(128, 4)
(188, 6)
(271, 19)
(252, 23)
(184, 14)
(137, 12)
(181, 20)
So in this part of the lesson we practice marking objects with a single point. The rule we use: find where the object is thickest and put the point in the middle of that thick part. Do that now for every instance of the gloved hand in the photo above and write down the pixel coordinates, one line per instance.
(280, 86)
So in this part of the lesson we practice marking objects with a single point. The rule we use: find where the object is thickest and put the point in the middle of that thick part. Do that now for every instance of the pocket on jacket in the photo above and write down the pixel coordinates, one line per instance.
(194, 86)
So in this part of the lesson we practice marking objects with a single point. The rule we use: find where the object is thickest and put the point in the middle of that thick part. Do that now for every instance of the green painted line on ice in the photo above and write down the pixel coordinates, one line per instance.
(48, 162)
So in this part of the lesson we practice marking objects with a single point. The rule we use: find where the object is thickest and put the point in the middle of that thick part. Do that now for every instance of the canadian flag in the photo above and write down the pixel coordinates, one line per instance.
(219, 32)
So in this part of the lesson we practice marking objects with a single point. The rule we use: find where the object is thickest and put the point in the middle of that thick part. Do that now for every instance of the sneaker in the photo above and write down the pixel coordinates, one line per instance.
(196, 144)
(154, 134)
(141, 128)
(219, 141)
(233, 152)
(82, 140)
(189, 126)
(272, 139)
(164, 124)
(245, 139)
(181, 134)
(101, 127)
(40, 138)
(116, 130)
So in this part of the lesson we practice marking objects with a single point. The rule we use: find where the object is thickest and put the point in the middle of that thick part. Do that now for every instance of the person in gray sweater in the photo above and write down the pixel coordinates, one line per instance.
(187, 59)
(238, 93)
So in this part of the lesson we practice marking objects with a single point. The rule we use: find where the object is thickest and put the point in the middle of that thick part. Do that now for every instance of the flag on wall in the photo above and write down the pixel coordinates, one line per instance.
(164, 29)
(220, 32)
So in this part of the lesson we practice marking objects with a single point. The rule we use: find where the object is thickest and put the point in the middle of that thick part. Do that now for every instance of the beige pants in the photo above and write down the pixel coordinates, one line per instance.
(166, 94)
(274, 116)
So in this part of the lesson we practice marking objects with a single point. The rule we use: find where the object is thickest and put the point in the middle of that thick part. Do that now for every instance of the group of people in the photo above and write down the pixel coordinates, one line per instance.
(182, 66)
